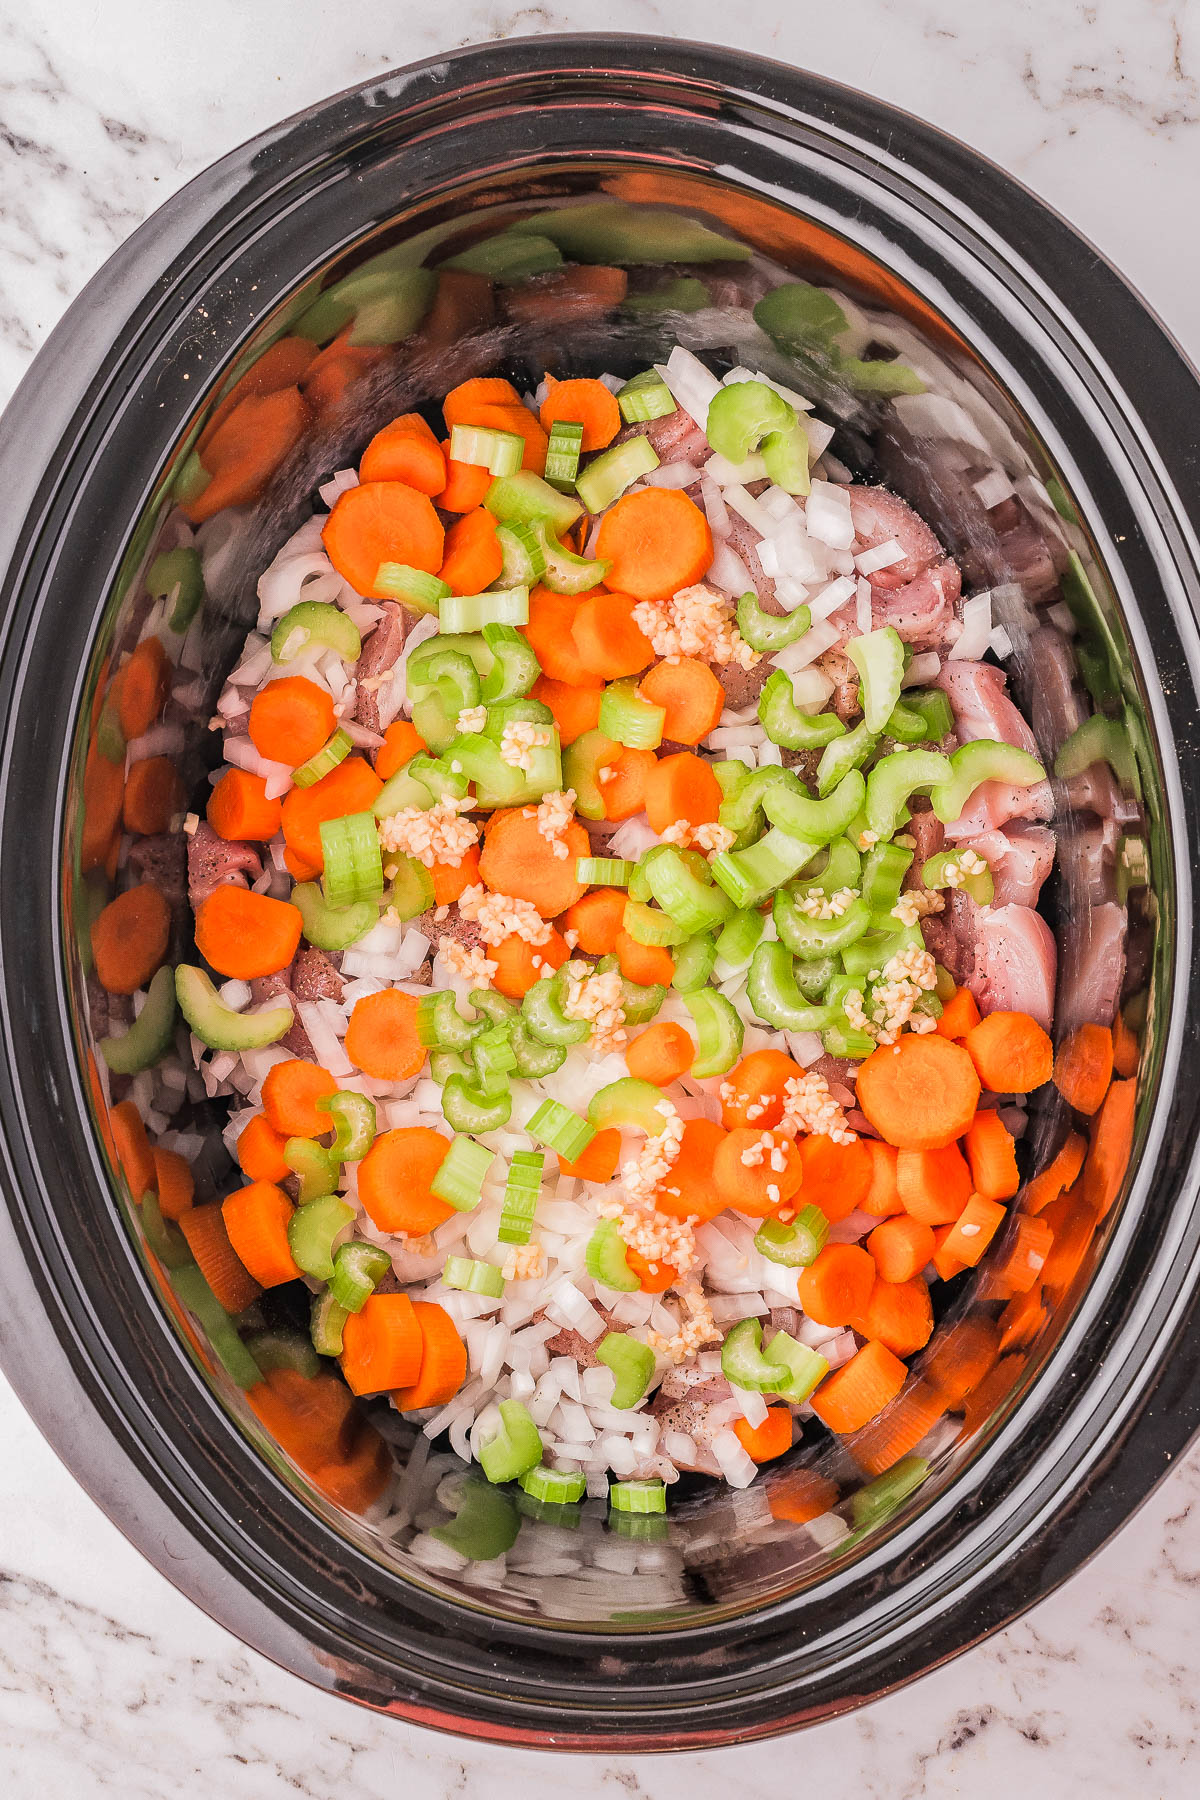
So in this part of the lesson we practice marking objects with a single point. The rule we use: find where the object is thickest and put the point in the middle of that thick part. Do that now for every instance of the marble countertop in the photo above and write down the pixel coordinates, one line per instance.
(109, 1679)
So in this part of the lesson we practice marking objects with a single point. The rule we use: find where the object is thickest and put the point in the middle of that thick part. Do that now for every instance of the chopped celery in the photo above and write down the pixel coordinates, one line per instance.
(920, 718)
(688, 896)
(629, 1103)
(646, 1496)
(1099, 739)
(605, 1259)
(440, 1024)
(719, 1031)
(358, 1269)
(521, 1195)
(178, 572)
(331, 927)
(646, 397)
(312, 1229)
(500, 606)
(738, 941)
(844, 1041)
(798, 316)
(416, 588)
(410, 892)
(327, 1319)
(152, 1033)
(775, 997)
(694, 962)
(785, 457)
(283, 1349)
(566, 573)
(582, 762)
(603, 871)
(632, 721)
(560, 1130)
(562, 454)
(631, 1362)
(353, 859)
(523, 550)
(485, 1526)
(315, 622)
(879, 658)
(609, 474)
(751, 875)
(982, 760)
(508, 258)
(687, 294)
(743, 1363)
(334, 750)
(515, 668)
(459, 1180)
(786, 725)
(647, 925)
(524, 498)
(883, 870)
(499, 452)
(806, 1368)
(467, 1109)
(315, 1168)
(473, 1277)
(401, 792)
(944, 870)
(766, 633)
(450, 675)
(223, 1340)
(744, 413)
(631, 234)
(841, 869)
(543, 1016)
(816, 821)
(554, 1487)
(843, 754)
(217, 1025)
(797, 1245)
(164, 1238)
(494, 1058)
(894, 780)
(514, 1448)
(880, 1498)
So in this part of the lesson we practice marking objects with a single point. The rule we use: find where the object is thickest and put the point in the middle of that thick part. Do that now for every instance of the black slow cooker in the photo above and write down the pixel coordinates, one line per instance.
(1036, 360)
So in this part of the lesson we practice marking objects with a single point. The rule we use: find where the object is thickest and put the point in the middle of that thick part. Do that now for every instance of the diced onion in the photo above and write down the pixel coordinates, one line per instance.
(869, 562)
(923, 669)
(972, 641)
(728, 572)
(827, 515)
(672, 475)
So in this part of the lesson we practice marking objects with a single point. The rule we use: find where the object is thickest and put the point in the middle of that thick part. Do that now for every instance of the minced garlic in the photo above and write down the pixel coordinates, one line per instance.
(809, 1105)
(466, 963)
(598, 999)
(499, 916)
(697, 622)
(518, 741)
(554, 814)
(827, 906)
(439, 835)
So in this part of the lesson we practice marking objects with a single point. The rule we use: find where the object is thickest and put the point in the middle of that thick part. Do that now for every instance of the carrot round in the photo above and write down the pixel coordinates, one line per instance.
(290, 1092)
(443, 1360)
(575, 709)
(801, 1495)
(1021, 1320)
(153, 795)
(349, 788)
(141, 687)
(753, 1092)
(381, 1038)
(247, 448)
(463, 401)
(960, 1014)
(609, 640)
(382, 1345)
(599, 1161)
(357, 1477)
(898, 1429)
(473, 558)
(291, 719)
(378, 522)
(1073, 1223)
(1062, 1172)
(986, 1399)
(654, 1277)
(899, 1314)
(586, 403)
(103, 794)
(920, 1093)
(129, 939)
(243, 934)
(203, 1228)
(1021, 1258)
(256, 1218)
(656, 541)
(934, 1185)
(623, 783)
(661, 1054)
(1011, 1053)
(332, 375)
(401, 742)
(882, 1198)
(1083, 1068)
(407, 451)
(597, 919)
(682, 787)
(132, 1147)
(450, 879)
(690, 1189)
(173, 1182)
(238, 808)
(945, 1263)
(960, 1355)
(901, 1247)
(762, 1443)
(992, 1153)
(260, 1150)
(519, 965)
(1126, 1050)
(394, 1178)
(858, 1392)
(758, 1187)
(837, 1177)
(310, 1416)
(691, 696)
(551, 637)
(465, 486)
(834, 1289)
(1111, 1147)
(645, 964)
(516, 861)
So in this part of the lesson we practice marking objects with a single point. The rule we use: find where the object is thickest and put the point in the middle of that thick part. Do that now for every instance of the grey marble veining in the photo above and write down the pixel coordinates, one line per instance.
(109, 1680)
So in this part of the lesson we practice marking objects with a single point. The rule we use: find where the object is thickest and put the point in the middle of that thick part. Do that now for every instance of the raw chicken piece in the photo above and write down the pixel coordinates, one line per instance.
(995, 803)
(978, 693)
(213, 862)
(879, 515)
(1016, 962)
(1020, 860)
(1093, 968)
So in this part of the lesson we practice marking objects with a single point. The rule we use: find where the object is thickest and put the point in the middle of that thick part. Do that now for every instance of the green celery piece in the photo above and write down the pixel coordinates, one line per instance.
(786, 725)
(879, 658)
(612, 231)
(152, 1033)
(631, 1361)
(628, 1103)
(719, 1030)
(894, 780)
(514, 1448)
(742, 414)
(744, 1364)
(582, 762)
(315, 622)
(217, 1025)
(685, 294)
(842, 755)
(799, 316)
(775, 997)
(605, 1261)
(982, 760)
(817, 821)
(766, 633)
(486, 1525)
(543, 1017)
(332, 927)
(808, 938)
(935, 873)
(883, 870)
(311, 1231)
(508, 258)
(223, 1340)
(1100, 739)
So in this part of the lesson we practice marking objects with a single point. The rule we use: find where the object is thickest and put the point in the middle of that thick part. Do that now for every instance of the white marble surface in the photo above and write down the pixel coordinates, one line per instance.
(109, 1680)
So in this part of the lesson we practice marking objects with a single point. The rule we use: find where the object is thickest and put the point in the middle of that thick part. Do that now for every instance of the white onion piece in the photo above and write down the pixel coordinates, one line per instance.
(748, 508)
(1000, 644)
(922, 669)
(292, 578)
(862, 606)
(815, 642)
(730, 474)
(691, 384)
(631, 837)
(728, 572)
(736, 1465)
(672, 475)
(360, 735)
(832, 597)
(993, 489)
(972, 641)
(715, 508)
(338, 484)
(241, 753)
(869, 562)
(820, 436)
(827, 515)
(790, 593)
(810, 689)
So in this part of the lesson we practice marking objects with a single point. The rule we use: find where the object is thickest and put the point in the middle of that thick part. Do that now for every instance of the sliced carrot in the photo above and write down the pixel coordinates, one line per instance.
(1126, 1050)
(519, 965)
(153, 795)
(256, 1218)
(382, 1345)
(1021, 1320)
(1083, 1068)
(973, 1230)
(801, 1495)
(332, 376)
(690, 1190)
(934, 1185)
(986, 1399)
(1020, 1260)
(920, 1093)
(597, 919)
(473, 558)
(661, 1053)
(291, 719)
(550, 635)
(960, 1355)
(173, 1182)
(238, 808)
(835, 1289)
(142, 684)
(1073, 1223)
(381, 1038)
(607, 637)
(1111, 1147)
(761, 1186)
(463, 401)
(515, 860)
(575, 709)
(898, 1314)
(599, 1161)
(290, 1092)
(837, 1177)
(243, 934)
(858, 1392)
(282, 365)
(1011, 1053)
(401, 742)
(129, 939)
(463, 306)
(645, 964)
(103, 794)
(349, 788)
(691, 694)
(260, 1150)
(947, 1266)
(623, 783)
(656, 541)
(763, 1443)
(378, 522)
(451, 879)
(356, 1479)
(960, 1014)
(132, 1147)
(443, 1360)
(566, 296)
(407, 451)
(883, 1196)
(992, 1153)
(898, 1429)
(586, 403)
(312, 1417)
(466, 484)
(226, 1274)
(394, 1178)
(753, 1093)
(682, 787)
(247, 448)
(901, 1247)
(1061, 1173)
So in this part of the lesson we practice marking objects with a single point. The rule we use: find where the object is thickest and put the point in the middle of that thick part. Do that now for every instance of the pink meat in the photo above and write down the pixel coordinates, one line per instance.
(1056, 708)
(676, 438)
(214, 863)
(1020, 860)
(880, 515)
(744, 540)
(380, 653)
(996, 803)
(978, 693)
(295, 1040)
(922, 611)
(1016, 961)
(952, 936)
(315, 976)
(925, 829)
(1093, 968)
